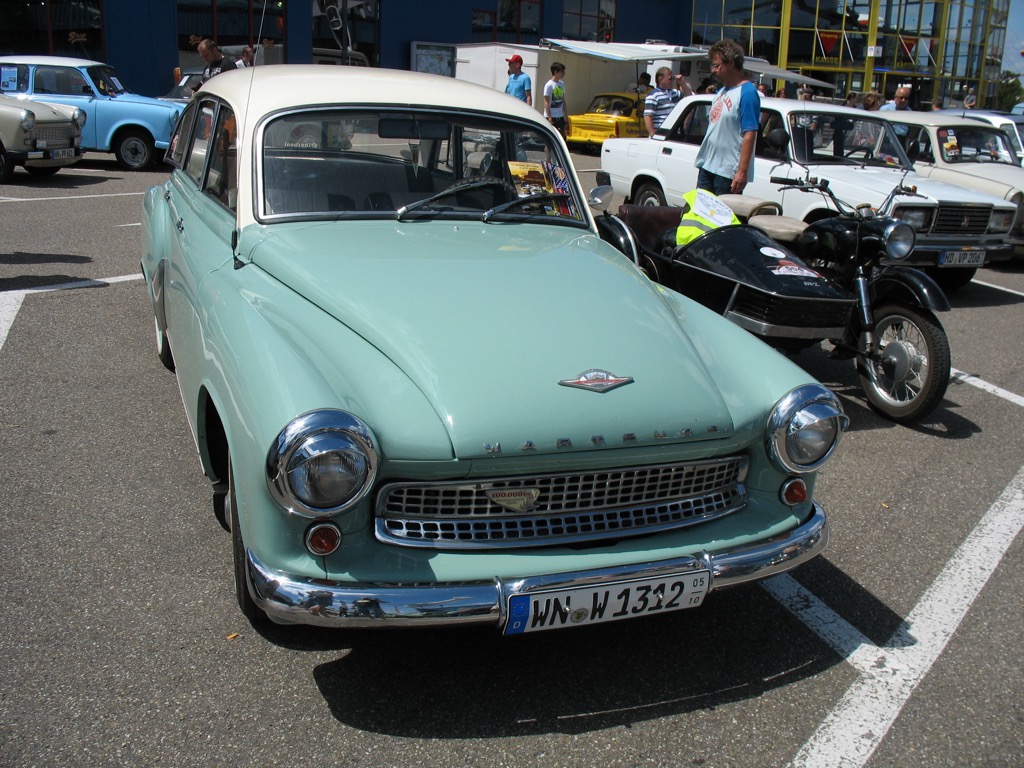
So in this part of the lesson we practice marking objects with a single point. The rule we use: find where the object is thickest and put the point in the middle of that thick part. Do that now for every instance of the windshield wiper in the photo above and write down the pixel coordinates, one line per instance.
(522, 200)
(453, 190)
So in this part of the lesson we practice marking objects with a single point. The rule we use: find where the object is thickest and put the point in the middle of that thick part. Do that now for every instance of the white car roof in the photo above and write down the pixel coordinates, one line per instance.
(935, 117)
(56, 61)
(258, 91)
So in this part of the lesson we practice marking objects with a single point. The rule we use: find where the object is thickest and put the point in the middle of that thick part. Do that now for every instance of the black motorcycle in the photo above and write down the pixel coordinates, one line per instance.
(815, 282)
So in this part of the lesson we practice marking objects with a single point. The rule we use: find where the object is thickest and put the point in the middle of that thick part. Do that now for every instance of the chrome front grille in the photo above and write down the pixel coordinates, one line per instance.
(961, 220)
(569, 508)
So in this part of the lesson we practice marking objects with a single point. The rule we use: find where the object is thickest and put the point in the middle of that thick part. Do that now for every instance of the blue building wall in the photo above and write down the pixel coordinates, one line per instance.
(140, 36)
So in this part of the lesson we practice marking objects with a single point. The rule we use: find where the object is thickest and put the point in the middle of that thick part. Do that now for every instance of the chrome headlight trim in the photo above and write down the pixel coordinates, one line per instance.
(321, 464)
(804, 429)
(899, 240)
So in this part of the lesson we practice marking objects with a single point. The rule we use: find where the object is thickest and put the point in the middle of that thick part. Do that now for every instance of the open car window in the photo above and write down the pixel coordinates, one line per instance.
(329, 163)
(842, 139)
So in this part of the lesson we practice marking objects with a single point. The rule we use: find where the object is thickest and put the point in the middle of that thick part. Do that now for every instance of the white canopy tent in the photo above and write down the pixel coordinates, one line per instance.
(648, 52)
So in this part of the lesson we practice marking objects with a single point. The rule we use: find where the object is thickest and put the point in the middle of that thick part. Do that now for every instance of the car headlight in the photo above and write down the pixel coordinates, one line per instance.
(899, 240)
(28, 119)
(79, 117)
(322, 463)
(804, 429)
(172, 117)
(918, 218)
(1000, 221)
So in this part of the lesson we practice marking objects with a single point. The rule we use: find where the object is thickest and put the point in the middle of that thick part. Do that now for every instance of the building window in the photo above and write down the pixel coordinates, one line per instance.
(518, 21)
(57, 27)
(485, 26)
(589, 20)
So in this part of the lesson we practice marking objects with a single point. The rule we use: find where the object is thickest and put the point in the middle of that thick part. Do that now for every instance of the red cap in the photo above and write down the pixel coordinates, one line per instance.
(515, 58)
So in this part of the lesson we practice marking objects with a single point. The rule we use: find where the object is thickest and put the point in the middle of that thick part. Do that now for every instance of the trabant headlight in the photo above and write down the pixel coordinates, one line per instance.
(172, 117)
(28, 119)
(919, 218)
(79, 117)
(804, 429)
(899, 240)
(1000, 221)
(322, 463)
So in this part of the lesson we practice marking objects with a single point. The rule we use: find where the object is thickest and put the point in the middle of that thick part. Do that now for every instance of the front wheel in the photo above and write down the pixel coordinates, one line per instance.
(134, 149)
(910, 374)
(649, 194)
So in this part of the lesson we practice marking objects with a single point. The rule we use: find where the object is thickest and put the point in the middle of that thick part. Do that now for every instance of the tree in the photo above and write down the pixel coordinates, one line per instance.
(1009, 91)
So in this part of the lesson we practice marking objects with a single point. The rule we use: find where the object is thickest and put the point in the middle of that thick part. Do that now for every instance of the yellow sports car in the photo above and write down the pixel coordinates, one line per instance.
(609, 116)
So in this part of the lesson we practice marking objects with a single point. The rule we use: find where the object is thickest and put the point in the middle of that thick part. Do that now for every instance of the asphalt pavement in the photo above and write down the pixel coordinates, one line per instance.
(121, 644)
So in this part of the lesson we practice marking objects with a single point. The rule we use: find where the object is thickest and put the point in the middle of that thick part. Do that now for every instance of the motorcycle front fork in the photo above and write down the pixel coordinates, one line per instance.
(867, 319)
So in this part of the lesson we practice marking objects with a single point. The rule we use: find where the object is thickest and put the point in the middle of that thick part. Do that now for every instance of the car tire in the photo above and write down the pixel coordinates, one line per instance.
(134, 149)
(46, 171)
(163, 349)
(952, 279)
(649, 194)
(6, 167)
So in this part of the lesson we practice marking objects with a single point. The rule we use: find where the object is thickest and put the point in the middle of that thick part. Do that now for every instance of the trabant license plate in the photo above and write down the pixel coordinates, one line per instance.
(962, 258)
(552, 609)
(61, 154)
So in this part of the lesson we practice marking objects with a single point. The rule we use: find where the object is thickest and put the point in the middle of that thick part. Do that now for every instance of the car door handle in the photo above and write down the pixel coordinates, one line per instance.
(167, 194)
(666, 150)
(180, 224)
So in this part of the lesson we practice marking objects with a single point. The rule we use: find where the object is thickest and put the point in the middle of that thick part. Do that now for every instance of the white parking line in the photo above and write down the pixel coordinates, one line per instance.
(68, 197)
(852, 731)
(10, 301)
(998, 287)
(959, 377)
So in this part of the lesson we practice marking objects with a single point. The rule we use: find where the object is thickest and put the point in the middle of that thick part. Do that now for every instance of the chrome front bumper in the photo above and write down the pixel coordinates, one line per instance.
(300, 600)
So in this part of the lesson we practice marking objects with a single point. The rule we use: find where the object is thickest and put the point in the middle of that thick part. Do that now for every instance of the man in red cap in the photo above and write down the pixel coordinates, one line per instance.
(519, 84)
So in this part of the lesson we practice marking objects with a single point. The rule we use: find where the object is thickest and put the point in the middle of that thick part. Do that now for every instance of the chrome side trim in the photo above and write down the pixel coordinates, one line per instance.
(296, 599)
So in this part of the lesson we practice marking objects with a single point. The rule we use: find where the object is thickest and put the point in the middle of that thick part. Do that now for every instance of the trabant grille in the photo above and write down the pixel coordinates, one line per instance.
(569, 508)
(55, 137)
(961, 220)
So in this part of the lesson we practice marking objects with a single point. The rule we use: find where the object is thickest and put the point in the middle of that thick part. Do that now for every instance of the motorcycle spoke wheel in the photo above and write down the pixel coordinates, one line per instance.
(910, 373)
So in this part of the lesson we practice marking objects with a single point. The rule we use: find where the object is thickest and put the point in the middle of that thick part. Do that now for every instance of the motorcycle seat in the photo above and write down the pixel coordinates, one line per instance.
(745, 206)
(783, 229)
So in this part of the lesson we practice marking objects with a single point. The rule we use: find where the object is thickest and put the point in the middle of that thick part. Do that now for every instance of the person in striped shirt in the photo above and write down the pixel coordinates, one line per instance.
(663, 97)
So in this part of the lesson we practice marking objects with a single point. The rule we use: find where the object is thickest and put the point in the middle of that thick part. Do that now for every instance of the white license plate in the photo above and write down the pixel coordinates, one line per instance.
(60, 154)
(962, 259)
(557, 608)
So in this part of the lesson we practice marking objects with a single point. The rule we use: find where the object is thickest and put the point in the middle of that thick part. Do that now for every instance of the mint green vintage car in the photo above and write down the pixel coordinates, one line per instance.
(424, 390)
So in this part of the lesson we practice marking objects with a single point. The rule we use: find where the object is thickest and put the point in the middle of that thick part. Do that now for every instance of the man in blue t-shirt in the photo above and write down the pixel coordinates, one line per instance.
(725, 158)
(519, 84)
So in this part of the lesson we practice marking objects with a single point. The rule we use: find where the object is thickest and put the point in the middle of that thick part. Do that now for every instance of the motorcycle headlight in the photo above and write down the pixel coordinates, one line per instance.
(899, 240)
(1000, 221)
(28, 119)
(918, 218)
(804, 429)
(321, 464)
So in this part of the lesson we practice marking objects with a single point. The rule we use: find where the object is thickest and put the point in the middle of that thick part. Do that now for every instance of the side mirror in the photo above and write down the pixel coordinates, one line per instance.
(600, 198)
(778, 138)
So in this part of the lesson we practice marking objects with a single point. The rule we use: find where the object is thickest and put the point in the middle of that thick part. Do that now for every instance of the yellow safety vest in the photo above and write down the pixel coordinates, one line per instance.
(692, 226)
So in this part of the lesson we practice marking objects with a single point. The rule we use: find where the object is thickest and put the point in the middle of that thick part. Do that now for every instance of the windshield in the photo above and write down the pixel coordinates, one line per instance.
(330, 163)
(107, 81)
(972, 145)
(835, 138)
(612, 104)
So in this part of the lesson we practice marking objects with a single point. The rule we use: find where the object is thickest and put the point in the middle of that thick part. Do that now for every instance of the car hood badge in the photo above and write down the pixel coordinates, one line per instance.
(516, 499)
(596, 380)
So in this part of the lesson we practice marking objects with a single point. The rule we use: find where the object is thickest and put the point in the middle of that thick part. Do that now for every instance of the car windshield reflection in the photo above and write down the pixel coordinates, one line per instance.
(833, 138)
(337, 163)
